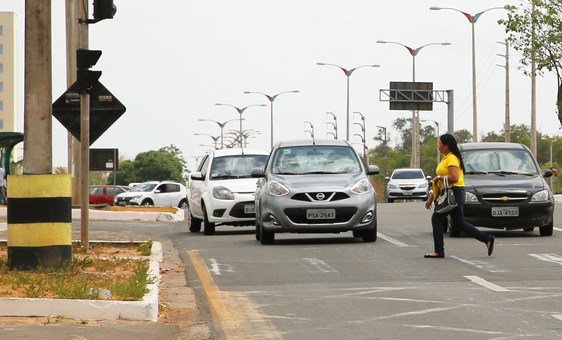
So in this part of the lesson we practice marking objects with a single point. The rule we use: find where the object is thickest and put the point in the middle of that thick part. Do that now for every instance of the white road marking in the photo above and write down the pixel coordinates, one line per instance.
(444, 328)
(558, 316)
(392, 240)
(554, 258)
(420, 312)
(318, 266)
(216, 267)
(481, 265)
(484, 283)
(557, 229)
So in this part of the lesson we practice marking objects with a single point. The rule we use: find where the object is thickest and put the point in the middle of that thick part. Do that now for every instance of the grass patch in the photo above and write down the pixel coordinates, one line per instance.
(88, 274)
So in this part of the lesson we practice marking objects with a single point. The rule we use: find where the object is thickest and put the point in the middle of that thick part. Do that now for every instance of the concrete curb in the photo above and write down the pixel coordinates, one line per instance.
(146, 310)
(131, 215)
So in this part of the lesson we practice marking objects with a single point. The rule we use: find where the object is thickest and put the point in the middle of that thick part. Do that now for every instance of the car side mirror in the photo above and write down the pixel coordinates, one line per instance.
(197, 176)
(428, 178)
(387, 178)
(257, 173)
(546, 173)
(372, 170)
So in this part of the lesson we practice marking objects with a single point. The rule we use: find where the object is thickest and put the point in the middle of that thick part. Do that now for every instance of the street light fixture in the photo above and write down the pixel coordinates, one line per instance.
(363, 129)
(271, 100)
(214, 138)
(240, 111)
(415, 160)
(334, 124)
(311, 131)
(472, 19)
(221, 125)
(348, 74)
(437, 135)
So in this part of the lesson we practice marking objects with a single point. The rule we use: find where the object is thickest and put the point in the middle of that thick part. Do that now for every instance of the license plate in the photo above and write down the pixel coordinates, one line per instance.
(407, 194)
(505, 211)
(321, 214)
(249, 209)
(121, 203)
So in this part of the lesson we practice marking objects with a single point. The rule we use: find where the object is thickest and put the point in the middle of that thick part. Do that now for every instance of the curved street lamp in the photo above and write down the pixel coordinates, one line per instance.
(311, 131)
(363, 138)
(240, 111)
(271, 100)
(472, 19)
(348, 74)
(334, 124)
(220, 124)
(415, 159)
(214, 138)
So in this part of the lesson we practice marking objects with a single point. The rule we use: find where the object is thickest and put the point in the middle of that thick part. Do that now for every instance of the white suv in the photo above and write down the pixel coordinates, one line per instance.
(407, 183)
(165, 194)
(221, 191)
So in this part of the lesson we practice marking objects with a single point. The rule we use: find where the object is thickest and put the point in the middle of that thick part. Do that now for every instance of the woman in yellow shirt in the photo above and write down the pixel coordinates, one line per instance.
(452, 166)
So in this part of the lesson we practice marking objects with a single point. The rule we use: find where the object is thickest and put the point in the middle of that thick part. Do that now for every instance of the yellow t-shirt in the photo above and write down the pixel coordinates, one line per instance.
(443, 170)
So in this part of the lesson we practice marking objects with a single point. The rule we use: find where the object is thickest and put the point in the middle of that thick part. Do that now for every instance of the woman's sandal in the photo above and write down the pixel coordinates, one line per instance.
(434, 256)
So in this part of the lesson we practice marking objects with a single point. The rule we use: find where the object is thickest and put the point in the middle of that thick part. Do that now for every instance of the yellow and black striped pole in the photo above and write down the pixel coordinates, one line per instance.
(39, 221)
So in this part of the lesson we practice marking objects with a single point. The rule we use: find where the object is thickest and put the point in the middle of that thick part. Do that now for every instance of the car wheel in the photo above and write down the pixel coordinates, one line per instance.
(147, 203)
(209, 228)
(547, 229)
(266, 237)
(357, 234)
(183, 204)
(194, 224)
(258, 230)
(528, 229)
(370, 235)
(391, 200)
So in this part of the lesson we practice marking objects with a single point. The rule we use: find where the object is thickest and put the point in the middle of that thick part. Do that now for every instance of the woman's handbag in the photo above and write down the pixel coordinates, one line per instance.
(446, 200)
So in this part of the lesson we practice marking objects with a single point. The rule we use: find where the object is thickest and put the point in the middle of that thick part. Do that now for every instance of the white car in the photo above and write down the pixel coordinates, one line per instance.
(221, 191)
(164, 194)
(407, 183)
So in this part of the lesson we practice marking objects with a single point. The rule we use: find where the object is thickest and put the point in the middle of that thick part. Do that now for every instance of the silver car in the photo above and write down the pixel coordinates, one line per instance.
(315, 187)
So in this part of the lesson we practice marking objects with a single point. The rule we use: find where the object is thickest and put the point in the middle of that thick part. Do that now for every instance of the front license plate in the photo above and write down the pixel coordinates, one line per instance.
(121, 203)
(321, 214)
(407, 194)
(249, 209)
(505, 211)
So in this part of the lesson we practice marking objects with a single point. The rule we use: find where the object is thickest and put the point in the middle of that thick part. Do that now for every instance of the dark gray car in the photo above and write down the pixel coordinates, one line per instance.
(315, 187)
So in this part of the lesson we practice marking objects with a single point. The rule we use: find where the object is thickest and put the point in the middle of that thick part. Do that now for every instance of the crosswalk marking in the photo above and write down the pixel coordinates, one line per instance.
(487, 284)
(554, 258)
(317, 266)
(392, 240)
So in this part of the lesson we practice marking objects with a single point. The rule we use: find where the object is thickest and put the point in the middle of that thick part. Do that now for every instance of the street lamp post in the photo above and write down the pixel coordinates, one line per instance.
(347, 74)
(271, 100)
(334, 124)
(437, 136)
(363, 137)
(415, 160)
(472, 19)
(214, 138)
(221, 125)
(311, 131)
(240, 111)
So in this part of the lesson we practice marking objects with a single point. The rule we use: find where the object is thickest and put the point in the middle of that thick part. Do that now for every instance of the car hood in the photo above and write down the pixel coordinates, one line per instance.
(319, 182)
(239, 185)
(492, 183)
(415, 181)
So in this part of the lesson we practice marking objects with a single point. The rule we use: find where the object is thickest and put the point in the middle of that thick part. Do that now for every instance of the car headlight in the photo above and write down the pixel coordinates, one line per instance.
(541, 196)
(136, 197)
(361, 187)
(470, 197)
(423, 185)
(277, 189)
(222, 193)
(392, 186)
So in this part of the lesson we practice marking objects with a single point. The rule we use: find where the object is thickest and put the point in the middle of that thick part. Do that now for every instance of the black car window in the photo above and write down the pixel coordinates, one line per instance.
(172, 188)
(498, 160)
(408, 174)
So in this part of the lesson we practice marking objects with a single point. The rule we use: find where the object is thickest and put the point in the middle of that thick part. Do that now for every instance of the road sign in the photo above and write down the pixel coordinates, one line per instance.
(104, 159)
(411, 96)
(105, 109)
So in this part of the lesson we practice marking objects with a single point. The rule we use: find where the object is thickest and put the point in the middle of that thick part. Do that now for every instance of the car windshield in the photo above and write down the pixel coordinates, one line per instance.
(236, 166)
(315, 159)
(503, 161)
(144, 187)
(408, 174)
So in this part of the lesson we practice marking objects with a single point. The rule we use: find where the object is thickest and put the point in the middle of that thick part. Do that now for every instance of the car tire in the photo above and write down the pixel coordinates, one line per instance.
(266, 237)
(369, 235)
(528, 229)
(547, 229)
(147, 202)
(391, 200)
(194, 224)
(209, 228)
(258, 231)
(183, 204)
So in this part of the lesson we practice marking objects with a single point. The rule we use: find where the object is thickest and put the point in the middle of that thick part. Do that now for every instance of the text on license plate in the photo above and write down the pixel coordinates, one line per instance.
(249, 209)
(505, 211)
(321, 214)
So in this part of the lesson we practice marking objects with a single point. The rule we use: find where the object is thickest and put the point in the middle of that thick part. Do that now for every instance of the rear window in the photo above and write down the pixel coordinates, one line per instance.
(408, 174)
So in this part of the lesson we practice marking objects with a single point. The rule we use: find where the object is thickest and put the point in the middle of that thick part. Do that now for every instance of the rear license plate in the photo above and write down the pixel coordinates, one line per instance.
(505, 211)
(321, 214)
(249, 209)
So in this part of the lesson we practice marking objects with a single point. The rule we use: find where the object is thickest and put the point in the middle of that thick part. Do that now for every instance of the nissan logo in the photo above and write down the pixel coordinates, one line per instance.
(320, 196)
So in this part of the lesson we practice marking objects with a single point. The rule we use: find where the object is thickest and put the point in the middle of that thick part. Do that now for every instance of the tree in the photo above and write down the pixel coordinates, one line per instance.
(545, 43)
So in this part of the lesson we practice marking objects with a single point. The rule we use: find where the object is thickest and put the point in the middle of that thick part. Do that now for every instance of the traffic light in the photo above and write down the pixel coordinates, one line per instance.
(104, 9)
(85, 78)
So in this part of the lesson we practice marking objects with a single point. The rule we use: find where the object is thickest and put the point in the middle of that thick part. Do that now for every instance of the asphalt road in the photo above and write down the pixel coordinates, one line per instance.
(336, 287)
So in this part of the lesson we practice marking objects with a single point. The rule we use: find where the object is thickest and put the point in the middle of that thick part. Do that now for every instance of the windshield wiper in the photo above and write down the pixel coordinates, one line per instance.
(225, 177)
(320, 173)
(476, 173)
(288, 173)
(503, 173)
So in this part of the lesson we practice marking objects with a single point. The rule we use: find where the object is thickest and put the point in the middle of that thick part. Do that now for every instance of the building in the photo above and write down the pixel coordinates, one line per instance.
(8, 67)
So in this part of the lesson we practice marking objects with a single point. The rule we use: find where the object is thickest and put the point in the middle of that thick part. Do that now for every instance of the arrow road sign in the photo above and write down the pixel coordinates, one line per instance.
(105, 109)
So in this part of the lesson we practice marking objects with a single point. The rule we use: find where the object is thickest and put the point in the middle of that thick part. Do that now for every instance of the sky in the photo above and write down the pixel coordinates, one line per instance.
(170, 61)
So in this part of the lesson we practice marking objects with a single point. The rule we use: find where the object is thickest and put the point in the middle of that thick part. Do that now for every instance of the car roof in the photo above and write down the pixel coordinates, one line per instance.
(408, 169)
(491, 145)
(239, 151)
(309, 142)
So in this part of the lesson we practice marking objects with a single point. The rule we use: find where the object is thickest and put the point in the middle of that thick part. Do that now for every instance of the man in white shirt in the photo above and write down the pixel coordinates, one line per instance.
(3, 199)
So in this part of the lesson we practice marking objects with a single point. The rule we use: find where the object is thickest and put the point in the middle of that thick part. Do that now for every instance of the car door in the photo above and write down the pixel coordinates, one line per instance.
(197, 187)
(160, 195)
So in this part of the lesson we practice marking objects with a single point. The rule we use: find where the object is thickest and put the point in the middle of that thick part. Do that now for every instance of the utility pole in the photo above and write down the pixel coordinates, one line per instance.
(507, 124)
(73, 42)
(533, 85)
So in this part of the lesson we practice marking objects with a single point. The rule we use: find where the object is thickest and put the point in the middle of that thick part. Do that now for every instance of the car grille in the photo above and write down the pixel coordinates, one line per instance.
(123, 200)
(320, 196)
(504, 198)
(238, 210)
(407, 187)
(298, 215)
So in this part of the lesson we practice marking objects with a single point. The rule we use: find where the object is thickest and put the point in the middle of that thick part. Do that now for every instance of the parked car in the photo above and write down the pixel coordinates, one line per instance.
(407, 183)
(105, 194)
(164, 193)
(505, 189)
(221, 191)
(315, 187)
